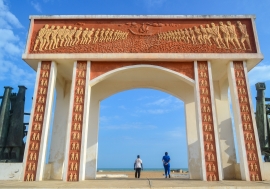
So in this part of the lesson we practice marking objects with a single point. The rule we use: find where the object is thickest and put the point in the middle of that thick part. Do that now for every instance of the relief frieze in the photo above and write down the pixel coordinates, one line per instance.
(142, 36)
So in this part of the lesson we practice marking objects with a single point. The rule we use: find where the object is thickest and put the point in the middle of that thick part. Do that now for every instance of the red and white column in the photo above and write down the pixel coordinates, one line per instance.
(244, 121)
(75, 154)
(36, 143)
(207, 123)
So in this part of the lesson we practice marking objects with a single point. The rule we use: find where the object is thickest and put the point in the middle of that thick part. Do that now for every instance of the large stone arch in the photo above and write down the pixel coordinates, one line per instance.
(143, 76)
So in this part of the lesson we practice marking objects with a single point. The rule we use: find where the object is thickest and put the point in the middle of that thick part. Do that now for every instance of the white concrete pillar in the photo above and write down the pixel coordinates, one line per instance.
(226, 137)
(244, 121)
(57, 150)
(206, 122)
(92, 139)
(194, 155)
(36, 144)
(77, 123)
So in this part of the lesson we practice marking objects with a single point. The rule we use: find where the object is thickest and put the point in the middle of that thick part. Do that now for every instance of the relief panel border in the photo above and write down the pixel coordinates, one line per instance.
(75, 138)
(37, 122)
(208, 133)
(247, 123)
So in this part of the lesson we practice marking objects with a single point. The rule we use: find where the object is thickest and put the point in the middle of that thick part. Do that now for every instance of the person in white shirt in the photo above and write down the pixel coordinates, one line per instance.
(138, 166)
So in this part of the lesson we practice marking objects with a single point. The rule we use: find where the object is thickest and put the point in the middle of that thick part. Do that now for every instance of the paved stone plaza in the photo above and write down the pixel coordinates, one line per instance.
(142, 183)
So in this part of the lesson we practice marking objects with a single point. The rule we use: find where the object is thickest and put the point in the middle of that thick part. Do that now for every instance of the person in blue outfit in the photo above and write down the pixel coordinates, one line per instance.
(166, 163)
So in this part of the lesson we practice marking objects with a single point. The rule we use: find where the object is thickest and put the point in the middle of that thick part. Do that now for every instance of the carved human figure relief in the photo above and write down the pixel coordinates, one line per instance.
(214, 177)
(28, 177)
(75, 177)
(233, 36)
(252, 177)
(209, 177)
(76, 156)
(256, 167)
(225, 34)
(212, 157)
(29, 166)
(251, 167)
(33, 167)
(216, 36)
(213, 167)
(209, 167)
(33, 146)
(209, 127)
(70, 177)
(72, 156)
(36, 147)
(248, 146)
(207, 146)
(71, 167)
(244, 35)
(252, 146)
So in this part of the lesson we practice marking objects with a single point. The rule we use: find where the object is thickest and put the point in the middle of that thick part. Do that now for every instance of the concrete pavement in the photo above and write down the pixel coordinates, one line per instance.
(139, 183)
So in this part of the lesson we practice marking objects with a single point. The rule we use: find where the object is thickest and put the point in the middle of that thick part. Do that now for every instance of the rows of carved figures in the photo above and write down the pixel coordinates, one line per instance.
(249, 136)
(51, 37)
(222, 35)
(207, 122)
(30, 171)
(77, 120)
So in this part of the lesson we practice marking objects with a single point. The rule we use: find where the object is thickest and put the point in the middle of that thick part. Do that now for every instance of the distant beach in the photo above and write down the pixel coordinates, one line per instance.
(131, 170)
(145, 173)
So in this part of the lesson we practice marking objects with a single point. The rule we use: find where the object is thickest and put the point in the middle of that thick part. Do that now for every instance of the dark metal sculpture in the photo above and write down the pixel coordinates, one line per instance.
(12, 126)
(262, 120)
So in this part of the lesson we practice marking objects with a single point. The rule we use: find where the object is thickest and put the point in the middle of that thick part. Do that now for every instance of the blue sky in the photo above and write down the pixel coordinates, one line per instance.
(141, 121)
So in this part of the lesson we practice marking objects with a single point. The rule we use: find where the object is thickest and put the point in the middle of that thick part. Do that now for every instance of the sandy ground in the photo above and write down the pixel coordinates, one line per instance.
(144, 174)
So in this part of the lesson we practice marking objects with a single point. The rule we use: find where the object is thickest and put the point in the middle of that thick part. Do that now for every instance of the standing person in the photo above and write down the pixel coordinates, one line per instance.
(166, 163)
(138, 166)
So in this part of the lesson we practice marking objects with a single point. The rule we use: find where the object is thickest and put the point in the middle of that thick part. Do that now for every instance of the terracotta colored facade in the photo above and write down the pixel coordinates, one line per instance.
(142, 36)
(247, 123)
(36, 130)
(207, 123)
(77, 122)
(99, 68)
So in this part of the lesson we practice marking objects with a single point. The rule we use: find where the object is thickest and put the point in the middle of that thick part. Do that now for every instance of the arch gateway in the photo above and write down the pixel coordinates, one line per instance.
(195, 58)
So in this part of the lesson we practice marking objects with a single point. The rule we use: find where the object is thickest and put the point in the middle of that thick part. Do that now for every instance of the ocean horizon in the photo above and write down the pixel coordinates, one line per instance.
(130, 169)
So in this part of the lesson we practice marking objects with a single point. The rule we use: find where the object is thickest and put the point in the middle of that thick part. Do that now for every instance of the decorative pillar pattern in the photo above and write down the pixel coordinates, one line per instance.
(207, 123)
(247, 123)
(37, 122)
(77, 122)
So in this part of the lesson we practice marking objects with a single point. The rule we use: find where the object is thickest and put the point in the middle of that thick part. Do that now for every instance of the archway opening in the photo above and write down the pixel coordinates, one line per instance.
(143, 122)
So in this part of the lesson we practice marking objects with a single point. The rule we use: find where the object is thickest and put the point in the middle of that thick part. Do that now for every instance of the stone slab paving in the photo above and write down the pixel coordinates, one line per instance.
(141, 184)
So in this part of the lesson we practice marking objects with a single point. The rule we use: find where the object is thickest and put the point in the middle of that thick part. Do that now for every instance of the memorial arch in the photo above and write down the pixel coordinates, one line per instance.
(88, 58)
(139, 75)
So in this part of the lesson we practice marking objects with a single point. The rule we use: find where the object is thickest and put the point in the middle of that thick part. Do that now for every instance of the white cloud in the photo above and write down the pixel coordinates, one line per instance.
(7, 19)
(15, 74)
(259, 74)
(9, 43)
(161, 106)
(36, 6)
(161, 102)
(11, 49)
